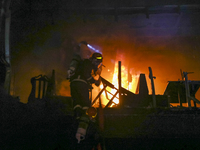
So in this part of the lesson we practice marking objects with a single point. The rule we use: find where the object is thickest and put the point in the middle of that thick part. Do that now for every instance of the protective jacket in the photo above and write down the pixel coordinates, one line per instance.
(81, 82)
(85, 73)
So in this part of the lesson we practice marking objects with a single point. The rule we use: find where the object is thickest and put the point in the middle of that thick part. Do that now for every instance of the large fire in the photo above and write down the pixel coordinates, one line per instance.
(128, 82)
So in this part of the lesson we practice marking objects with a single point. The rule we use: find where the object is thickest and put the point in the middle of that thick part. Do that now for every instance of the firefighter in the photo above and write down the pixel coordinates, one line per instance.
(82, 74)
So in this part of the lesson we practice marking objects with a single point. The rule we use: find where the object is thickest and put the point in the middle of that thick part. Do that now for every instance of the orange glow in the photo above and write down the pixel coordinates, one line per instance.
(184, 104)
(64, 88)
(131, 86)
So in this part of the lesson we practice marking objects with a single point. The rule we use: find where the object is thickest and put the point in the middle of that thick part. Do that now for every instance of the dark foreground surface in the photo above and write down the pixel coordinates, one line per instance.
(41, 127)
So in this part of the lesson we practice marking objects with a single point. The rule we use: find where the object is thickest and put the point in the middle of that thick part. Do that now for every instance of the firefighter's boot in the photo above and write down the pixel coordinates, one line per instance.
(82, 127)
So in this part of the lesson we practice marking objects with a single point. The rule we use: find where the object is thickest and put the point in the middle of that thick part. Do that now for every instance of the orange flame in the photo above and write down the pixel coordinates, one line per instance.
(131, 86)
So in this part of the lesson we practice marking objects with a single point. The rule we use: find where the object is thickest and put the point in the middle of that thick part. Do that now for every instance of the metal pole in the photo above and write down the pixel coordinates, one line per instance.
(152, 86)
(99, 95)
(179, 98)
(7, 45)
(187, 90)
(119, 81)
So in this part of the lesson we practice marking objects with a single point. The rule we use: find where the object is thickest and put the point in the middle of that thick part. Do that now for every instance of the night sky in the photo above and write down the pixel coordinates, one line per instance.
(165, 42)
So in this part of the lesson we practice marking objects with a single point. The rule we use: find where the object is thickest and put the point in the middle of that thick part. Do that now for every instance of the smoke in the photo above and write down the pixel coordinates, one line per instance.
(136, 41)
(54, 52)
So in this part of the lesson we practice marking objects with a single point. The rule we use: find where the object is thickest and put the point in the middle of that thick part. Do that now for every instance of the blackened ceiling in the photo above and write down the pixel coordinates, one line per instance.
(106, 7)
(27, 14)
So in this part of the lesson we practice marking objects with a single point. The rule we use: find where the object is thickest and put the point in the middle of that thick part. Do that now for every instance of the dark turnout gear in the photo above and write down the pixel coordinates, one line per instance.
(74, 66)
(81, 79)
(82, 127)
(85, 72)
(84, 122)
(80, 96)
(82, 74)
(81, 83)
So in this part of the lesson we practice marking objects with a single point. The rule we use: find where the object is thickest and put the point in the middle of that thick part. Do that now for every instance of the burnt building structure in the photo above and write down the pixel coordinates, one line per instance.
(36, 37)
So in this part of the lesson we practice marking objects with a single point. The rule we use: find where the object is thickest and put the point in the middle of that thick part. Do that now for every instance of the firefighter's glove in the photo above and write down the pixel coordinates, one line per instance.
(94, 75)
(70, 73)
(99, 70)
(79, 137)
(97, 82)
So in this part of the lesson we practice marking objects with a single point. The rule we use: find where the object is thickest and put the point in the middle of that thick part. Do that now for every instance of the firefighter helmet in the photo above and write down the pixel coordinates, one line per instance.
(97, 56)
(91, 112)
